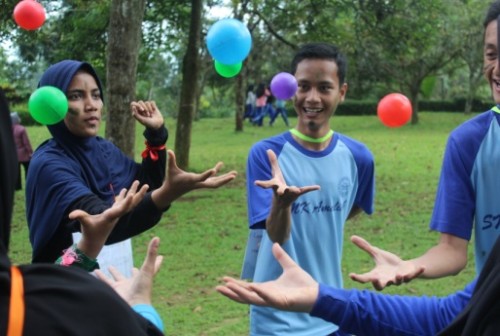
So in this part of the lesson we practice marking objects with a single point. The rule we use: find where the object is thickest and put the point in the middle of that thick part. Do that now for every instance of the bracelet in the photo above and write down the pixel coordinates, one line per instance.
(73, 256)
(152, 151)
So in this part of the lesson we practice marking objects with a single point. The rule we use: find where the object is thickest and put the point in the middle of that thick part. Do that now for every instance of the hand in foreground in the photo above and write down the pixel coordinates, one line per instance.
(295, 290)
(180, 182)
(147, 113)
(96, 228)
(285, 195)
(389, 268)
(138, 288)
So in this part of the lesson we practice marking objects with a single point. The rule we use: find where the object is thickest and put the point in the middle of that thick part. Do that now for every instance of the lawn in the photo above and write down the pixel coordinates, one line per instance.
(203, 235)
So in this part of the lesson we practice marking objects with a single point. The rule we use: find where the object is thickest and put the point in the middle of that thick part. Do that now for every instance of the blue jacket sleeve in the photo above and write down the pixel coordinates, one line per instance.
(363, 312)
(149, 313)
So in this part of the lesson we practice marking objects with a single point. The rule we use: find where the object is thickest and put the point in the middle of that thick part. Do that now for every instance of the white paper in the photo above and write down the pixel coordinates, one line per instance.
(118, 255)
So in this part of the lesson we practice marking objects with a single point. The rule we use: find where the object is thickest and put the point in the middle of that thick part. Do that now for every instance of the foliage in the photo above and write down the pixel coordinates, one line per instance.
(391, 45)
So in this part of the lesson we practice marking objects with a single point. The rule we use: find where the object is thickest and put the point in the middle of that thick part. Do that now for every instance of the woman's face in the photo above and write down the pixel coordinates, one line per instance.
(85, 105)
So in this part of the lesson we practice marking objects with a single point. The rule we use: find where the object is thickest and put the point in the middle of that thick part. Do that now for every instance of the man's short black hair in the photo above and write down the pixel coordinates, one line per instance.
(492, 13)
(323, 51)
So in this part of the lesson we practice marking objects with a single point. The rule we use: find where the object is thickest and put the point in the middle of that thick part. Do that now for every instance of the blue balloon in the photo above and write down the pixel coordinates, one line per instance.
(229, 41)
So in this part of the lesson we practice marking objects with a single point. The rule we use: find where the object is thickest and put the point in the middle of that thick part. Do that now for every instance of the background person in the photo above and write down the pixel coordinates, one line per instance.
(23, 146)
(250, 103)
(280, 110)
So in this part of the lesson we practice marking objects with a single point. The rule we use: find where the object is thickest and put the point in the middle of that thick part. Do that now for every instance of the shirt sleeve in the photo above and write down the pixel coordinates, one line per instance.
(258, 199)
(363, 312)
(154, 158)
(149, 313)
(455, 199)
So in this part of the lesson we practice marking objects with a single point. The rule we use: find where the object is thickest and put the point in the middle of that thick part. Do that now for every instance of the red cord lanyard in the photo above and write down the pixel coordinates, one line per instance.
(16, 307)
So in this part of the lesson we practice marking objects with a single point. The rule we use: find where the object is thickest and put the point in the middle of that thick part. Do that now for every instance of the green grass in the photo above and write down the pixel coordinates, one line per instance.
(203, 235)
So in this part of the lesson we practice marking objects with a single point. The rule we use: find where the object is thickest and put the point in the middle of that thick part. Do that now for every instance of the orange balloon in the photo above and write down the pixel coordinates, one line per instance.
(29, 14)
(394, 110)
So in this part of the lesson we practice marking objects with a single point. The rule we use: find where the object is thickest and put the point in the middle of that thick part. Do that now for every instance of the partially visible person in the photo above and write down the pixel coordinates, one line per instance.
(467, 194)
(270, 110)
(471, 311)
(250, 103)
(260, 103)
(280, 110)
(52, 300)
(23, 146)
(267, 110)
(284, 175)
(77, 169)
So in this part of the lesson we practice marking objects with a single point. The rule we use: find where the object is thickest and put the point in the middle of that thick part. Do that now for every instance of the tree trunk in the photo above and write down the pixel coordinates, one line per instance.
(124, 39)
(414, 90)
(190, 69)
(240, 101)
(474, 81)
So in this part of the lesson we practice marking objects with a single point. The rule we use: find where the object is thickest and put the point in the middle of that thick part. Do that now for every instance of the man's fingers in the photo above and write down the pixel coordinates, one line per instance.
(363, 244)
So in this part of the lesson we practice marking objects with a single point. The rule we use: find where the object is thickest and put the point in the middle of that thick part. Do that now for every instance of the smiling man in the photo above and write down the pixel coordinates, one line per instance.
(467, 194)
(303, 185)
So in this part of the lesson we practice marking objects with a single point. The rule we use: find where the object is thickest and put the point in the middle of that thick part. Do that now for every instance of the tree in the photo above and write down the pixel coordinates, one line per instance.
(189, 88)
(407, 43)
(472, 52)
(124, 36)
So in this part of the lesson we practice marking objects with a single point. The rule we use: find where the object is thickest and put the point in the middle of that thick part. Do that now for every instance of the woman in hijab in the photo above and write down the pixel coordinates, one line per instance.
(77, 169)
(54, 300)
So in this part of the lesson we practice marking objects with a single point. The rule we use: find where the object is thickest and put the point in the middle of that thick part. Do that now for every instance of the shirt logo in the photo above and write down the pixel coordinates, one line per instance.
(343, 187)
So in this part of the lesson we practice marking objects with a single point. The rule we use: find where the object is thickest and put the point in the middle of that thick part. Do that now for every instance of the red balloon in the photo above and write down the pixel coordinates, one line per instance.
(29, 14)
(394, 110)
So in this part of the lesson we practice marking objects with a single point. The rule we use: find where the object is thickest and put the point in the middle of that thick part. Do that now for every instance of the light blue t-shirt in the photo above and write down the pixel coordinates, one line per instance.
(345, 173)
(469, 184)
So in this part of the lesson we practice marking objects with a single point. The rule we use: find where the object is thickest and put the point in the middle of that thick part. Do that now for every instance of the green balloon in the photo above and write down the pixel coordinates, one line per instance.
(228, 71)
(48, 105)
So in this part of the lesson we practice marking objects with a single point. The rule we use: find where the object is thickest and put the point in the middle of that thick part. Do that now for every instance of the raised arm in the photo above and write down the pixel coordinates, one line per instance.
(97, 228)
(279, 220)
(358, 312)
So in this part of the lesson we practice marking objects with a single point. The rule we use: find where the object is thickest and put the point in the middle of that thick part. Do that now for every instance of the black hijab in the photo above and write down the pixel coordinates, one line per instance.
(59, 300)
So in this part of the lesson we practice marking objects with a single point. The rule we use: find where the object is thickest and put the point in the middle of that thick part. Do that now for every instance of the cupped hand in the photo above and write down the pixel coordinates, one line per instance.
(284, 194)
(295, 290)
(97, 228)
(389, 268)
(180, 182)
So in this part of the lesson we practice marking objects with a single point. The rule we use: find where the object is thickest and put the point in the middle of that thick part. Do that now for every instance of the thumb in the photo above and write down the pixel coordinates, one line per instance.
(77, 214)
(149, 263)
(363, 244)
(282, 257)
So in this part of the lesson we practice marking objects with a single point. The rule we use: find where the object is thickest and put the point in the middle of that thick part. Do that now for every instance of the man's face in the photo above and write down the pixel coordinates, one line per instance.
(85, 105)
(318, 95)
(490, 60)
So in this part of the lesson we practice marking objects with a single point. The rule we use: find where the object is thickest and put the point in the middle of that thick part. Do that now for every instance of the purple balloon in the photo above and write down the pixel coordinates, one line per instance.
(284, 85)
